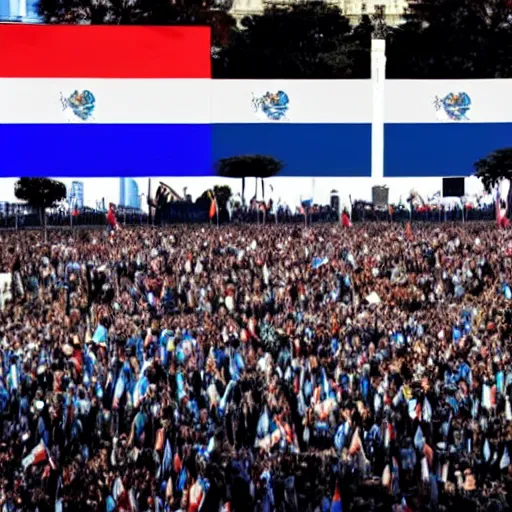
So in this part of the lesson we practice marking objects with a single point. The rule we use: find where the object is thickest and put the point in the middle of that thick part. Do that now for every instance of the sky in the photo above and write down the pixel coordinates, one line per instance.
(289, 190)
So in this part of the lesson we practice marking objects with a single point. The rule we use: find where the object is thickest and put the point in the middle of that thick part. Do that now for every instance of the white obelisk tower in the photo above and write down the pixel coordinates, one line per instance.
(378, 58)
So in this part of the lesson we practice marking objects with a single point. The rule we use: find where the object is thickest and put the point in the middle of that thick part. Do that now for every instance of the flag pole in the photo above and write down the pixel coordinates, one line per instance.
(310, 213)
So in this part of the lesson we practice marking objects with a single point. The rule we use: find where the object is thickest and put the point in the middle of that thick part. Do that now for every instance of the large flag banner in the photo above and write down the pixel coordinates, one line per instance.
(104, 100)
(316, 127)
(442, 127)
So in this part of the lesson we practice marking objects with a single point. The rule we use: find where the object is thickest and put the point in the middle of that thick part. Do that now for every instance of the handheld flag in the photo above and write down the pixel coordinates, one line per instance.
(498, 206)
(336, 504)
(408, 232)
(501, 213)
(36, 456)
(213, 205)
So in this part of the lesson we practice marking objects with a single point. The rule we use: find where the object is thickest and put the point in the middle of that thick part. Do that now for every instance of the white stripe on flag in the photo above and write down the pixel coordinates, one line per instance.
(310, 101)
(117, 101)
(37, 455)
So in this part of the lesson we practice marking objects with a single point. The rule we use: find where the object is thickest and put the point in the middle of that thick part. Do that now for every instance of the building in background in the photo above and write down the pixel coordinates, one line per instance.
(335, 201)
(129, 193)
(132, 194)
(122, 191)
(380, 196)
(8, 209)
(76, 194)
(25, 11)
(352, 9)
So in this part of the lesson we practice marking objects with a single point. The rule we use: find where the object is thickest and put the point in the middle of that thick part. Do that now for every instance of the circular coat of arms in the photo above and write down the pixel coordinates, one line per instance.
(274, 105)
(455, 106)
(82, 104)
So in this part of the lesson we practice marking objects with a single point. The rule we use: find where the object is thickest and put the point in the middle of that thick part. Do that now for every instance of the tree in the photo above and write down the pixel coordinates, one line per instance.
(256, 166)
(443, 39)
(222, 194)
(40, 193)
(142, 12)
(307, 40)
(494, 168)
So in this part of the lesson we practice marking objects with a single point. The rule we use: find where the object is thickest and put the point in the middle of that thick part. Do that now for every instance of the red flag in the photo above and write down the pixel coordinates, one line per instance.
(501, 214)
(177, 463)
(75, 213)
(195, 497)
(213, 206)
(345, 220)
(408, 232)
(213, 210)
(36, 456)
(111, 218)
(336, 503)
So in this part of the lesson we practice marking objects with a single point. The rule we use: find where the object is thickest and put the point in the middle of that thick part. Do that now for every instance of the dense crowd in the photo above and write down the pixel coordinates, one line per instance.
(269, 368)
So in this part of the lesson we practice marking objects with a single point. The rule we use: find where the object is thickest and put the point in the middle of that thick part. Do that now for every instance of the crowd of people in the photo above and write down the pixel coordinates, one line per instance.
(270, 368)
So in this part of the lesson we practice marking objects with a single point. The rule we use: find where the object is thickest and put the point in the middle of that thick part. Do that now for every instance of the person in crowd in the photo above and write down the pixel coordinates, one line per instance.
(111, 219)
(257, 369)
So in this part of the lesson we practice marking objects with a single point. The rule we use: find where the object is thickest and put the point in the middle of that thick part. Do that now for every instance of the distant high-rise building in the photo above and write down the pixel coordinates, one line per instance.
(335, 201)
(129, 193)
(25, 11)
(122, 191)
(380, 196)
(132, 194)
(76, 194)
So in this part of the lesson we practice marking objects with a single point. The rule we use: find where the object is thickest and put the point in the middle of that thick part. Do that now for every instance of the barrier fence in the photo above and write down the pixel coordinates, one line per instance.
(325, 215)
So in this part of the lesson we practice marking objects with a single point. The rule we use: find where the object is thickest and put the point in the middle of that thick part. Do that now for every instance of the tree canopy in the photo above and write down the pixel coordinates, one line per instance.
(306, 40)
(443, 39)
(495, 167)
(40, 192)
(222, 194)
(142, 12)
(254, 166)
(438, 39)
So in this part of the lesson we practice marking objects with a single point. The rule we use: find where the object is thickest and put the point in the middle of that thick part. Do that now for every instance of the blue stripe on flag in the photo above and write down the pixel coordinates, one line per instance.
(336, 506)
(65, 150)
(440, 149)
(306, 149)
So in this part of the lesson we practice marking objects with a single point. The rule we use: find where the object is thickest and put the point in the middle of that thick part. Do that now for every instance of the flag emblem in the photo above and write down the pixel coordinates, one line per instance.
(455, 105)
(82, 104)
(273, 105)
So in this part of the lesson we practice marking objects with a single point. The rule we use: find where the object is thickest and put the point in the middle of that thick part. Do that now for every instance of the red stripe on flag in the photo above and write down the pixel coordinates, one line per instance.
(71, 51)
